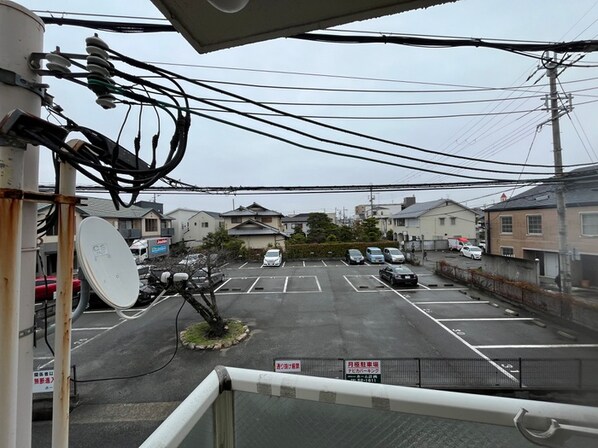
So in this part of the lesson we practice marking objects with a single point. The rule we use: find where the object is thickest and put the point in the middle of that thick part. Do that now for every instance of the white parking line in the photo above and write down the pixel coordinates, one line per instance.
(318, 284)
(223, 283)
(303, 263)
(251, 287)
(349, 282)
(467, 344)
(240, 267)
(487, 347)
(91, 329)
(473, 319)
(424, 286)
(451, 303)
(286, 282)
(283, 264)
(324, 263)
(345, 263)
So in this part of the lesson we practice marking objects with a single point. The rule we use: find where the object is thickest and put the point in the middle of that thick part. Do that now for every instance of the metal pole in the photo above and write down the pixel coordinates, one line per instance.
(564, 262)
(64, 306)
(21, 33)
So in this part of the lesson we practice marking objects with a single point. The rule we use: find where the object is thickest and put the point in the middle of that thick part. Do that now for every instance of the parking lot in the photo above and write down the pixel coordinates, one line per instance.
(321, 308)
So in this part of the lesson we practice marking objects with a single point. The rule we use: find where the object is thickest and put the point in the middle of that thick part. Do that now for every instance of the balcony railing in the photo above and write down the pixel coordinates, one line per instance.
(240, 408)
(130, 234)
(167, 231)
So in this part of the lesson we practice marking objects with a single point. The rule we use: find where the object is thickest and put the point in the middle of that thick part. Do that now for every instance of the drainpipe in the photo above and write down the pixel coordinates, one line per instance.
(64, 306)
(21, 33)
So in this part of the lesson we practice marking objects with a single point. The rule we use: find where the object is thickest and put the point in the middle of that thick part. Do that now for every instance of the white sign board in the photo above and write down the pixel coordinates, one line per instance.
(43, 381)
(367, 371)
(287, 366)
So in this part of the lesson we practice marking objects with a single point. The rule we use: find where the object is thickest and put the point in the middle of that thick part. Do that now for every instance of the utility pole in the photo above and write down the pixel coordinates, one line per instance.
(564, 260)
(371, 199)
(21, 33)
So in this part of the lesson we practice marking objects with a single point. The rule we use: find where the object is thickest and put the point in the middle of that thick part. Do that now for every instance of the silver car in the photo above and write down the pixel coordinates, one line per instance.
(393, 255)
(202, 282)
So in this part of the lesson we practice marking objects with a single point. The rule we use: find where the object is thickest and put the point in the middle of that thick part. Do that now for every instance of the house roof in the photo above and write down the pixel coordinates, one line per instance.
(252, 227)
(580, 190)
(104, 208)
(254, 209)
(421, 208)
(215, 215)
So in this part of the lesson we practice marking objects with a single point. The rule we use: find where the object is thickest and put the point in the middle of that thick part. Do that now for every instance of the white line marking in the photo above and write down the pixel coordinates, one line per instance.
(467, 344)
(225, 264)
(487, 347)
(267, 292)
(240, 267)
(251, 287)
(424, 286)
(99, 311)
(283, 264)
(318, 283)
(456, 303)
(345, 263)
(286, 282)
(42, 357)
(303, 263)
(223, 283)
(473, 319)
(324, 263)
(91, 329)
(349, 282)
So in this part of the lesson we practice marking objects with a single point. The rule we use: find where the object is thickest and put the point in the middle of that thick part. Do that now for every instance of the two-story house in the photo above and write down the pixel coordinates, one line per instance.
(434, 220)
(527, 226)
(132, 222)
(200, 224)
(257, 226)
(291, 222)
(180, 222)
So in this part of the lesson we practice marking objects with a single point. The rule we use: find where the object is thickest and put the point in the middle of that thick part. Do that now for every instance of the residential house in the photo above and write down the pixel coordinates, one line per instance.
(433, 220)
(132, 222)
(527, 226)
(291, 222)
(257, 226)
(180, 223)
(200, 224)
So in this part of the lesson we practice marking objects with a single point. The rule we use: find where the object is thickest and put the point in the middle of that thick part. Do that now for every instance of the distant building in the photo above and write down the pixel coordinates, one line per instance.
(433, 220)
(180, 222)
(291, 222)
(200, 224)
(132, 222)
(257, 226)
(526, 226)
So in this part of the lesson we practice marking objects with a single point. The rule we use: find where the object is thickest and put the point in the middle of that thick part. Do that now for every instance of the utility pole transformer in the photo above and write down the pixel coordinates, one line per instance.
(564, 259)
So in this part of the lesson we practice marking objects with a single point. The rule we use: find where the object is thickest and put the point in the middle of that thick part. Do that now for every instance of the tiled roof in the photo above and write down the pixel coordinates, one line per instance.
(253, 210)
(420, 208)
(104, 208)
(251, 227)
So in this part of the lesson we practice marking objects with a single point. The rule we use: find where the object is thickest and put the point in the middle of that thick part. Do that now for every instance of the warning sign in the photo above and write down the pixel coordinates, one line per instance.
(287, 366)
(43, 381)
(366, 371)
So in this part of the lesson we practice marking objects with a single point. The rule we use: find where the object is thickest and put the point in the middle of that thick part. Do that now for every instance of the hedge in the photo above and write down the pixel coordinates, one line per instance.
(330, 250)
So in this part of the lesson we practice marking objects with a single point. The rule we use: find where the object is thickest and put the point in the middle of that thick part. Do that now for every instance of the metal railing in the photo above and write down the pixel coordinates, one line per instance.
(236, 407)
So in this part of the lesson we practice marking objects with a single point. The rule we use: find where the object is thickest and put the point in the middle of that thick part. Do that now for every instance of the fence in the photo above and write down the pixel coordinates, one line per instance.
(462, 373)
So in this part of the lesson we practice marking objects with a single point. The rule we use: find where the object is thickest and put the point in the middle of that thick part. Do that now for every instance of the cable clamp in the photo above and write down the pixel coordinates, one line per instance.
(26, 332)
(11, 78)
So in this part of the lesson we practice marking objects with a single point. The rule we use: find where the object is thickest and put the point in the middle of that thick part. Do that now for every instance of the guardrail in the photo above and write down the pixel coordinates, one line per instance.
(235, 407)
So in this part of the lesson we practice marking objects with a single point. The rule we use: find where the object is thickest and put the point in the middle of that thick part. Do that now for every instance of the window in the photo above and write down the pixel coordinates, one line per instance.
(589, 224)
(506, 224)
(235, 220)
(441, 221)
(453, 221)
(151, 225)
(534, 224)
(125, 224)
(204, 225)
(399, 222)
(507, 251)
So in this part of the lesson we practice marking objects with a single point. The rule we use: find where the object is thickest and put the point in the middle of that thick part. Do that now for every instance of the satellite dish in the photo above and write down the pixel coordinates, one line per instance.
(107, 263)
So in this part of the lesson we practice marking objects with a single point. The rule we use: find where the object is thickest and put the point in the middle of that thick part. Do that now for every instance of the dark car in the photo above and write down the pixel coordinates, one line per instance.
(45, 287)
(200, 279)
(399, 275)
(354, 256)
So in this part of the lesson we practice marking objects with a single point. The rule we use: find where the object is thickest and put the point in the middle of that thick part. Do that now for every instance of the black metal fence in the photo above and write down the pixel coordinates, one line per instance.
(461, 373)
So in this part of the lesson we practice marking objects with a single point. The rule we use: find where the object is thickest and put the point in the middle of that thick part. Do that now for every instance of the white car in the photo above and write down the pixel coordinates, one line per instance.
(273, 258)
(191, 260)
(472, 252)
(393, 255)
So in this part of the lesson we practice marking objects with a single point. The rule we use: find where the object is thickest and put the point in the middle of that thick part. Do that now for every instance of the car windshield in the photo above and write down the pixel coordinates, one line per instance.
(375, 251)
(402, 270)
(354, 252)
(474, 249)
(393, 251)
(273, 253)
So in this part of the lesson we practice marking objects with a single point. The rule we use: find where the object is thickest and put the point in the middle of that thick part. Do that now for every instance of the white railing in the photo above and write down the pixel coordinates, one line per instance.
(543, 423)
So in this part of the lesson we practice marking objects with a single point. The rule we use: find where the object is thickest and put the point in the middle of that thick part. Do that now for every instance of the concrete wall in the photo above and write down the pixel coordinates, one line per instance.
(515, 269)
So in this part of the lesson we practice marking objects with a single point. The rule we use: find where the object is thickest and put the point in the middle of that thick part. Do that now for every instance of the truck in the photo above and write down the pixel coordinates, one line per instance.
(457, 243)
(150, 248)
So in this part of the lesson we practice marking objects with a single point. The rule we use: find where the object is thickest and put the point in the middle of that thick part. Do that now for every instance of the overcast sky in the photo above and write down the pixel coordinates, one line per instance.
(221, 155)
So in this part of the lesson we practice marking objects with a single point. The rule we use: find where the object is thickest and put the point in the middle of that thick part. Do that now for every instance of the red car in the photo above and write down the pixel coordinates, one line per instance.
(45, 287)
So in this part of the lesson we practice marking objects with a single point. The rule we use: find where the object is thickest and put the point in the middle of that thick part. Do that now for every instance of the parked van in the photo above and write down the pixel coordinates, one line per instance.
(374, 255)
(457, 243)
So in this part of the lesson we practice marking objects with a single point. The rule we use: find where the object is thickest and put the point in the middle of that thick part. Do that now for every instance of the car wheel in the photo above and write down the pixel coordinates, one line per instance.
(392, 281)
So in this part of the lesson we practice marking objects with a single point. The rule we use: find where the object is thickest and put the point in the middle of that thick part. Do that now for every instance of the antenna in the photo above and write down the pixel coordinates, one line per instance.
(107, 263)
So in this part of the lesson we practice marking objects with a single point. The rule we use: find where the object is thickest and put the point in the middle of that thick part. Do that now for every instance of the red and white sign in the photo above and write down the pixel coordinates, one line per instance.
(287, 366)
(362, 366)
(43, 381)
